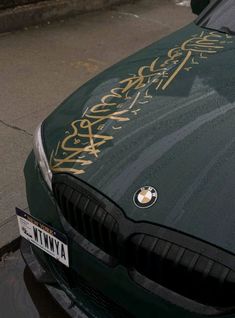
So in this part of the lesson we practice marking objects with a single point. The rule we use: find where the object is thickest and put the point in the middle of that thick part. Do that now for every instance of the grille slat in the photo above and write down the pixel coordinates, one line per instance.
(68, 194)
(193, 262)
(111, 238)
(75, 211)
(86, 219)
(101, 226)
(93, 215)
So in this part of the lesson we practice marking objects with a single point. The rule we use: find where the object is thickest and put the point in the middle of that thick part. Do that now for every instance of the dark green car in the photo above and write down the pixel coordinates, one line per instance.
(131, 184)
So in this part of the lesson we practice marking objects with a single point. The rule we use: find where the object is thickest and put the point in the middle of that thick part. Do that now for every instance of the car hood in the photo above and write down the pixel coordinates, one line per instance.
(164, 118)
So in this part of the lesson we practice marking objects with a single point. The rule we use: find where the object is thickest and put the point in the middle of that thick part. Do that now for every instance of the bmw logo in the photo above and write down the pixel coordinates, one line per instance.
(145, 197)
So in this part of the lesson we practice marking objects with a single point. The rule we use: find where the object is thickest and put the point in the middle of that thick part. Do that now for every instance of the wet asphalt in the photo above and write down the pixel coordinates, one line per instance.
(21, 295)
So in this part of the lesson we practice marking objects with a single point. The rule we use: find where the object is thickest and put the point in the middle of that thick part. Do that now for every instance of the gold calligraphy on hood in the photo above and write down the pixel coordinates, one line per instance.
(86, 136)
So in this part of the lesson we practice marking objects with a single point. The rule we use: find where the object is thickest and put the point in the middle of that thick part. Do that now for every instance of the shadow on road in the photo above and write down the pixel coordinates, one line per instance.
(21, 295)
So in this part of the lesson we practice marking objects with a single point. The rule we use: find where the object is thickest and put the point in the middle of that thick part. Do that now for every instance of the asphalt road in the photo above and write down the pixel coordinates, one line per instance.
(40, 66)
(21, 295)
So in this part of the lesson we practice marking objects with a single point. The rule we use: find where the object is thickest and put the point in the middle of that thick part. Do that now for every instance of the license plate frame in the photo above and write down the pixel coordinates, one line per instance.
(43, 236)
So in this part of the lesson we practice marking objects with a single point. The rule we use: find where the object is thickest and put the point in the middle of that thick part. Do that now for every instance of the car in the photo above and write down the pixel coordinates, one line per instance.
(131, 182)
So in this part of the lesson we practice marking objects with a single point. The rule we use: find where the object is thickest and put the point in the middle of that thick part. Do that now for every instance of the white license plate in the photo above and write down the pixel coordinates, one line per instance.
(43, 236)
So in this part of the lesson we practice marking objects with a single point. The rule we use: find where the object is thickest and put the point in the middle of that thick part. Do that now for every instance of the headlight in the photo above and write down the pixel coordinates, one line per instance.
(41, 156)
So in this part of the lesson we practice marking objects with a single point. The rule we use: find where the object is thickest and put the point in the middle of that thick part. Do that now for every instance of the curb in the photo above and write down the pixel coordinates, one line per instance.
(43, 11)
(10, 247)
(9, 233)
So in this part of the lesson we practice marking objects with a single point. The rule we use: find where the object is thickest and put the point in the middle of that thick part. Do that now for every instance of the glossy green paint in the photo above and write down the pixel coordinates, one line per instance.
(114, 282)
(182, 142)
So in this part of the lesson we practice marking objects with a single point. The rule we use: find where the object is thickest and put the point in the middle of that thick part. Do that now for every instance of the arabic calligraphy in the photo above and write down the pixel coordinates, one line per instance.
(85, 138)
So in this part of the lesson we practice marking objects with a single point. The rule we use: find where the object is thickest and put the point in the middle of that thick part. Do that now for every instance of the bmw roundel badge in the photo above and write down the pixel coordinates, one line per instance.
(145, 197)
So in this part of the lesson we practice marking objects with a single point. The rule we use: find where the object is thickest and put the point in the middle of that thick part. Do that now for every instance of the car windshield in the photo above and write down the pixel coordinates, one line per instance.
(220, 16)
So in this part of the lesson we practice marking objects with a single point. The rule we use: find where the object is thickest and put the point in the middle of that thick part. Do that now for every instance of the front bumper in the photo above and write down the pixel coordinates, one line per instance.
(49, 282)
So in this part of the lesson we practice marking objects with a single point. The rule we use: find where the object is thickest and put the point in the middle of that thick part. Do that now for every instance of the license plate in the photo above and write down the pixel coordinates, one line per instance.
(43, 236)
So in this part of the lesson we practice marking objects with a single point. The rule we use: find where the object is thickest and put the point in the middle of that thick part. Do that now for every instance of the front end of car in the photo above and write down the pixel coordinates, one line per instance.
(130, 173)
(104, 281)
(94, 282)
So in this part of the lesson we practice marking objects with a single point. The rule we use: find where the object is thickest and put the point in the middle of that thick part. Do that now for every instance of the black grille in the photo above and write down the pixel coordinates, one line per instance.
(87, 216)
(196, 270)
(179, 269)
(78, 283)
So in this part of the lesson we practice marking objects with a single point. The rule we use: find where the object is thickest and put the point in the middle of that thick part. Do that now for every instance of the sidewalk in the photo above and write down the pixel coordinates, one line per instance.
(16, 14)
(40, 66)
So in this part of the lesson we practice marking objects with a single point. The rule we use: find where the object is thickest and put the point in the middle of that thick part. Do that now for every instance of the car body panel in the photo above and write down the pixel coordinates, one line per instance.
(114, 282)
(163, 117)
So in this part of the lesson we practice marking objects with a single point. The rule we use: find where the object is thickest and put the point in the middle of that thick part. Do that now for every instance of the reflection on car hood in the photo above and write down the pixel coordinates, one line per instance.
(164, 118)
